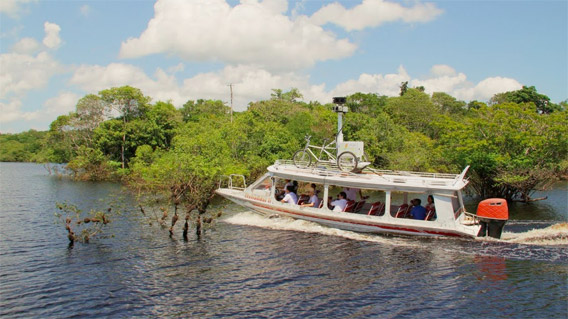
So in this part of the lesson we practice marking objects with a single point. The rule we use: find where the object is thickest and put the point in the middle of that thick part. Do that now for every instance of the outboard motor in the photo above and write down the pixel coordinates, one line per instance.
(493, 213)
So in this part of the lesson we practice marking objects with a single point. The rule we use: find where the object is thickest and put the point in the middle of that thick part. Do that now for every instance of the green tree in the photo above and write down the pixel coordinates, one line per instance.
(292, 96)
(475, 105)
(90, 164)
(193, 110)
(403, 88)
(448, 104)
(510, 147)
(164, 119)
(26, 146)
(527, 94)
(414, 111)
(59, 142)
(130, 103)
(188, 173)
(370, 103)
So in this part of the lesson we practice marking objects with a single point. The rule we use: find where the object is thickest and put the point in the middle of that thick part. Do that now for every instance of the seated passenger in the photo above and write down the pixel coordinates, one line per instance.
(282, 193)
(430, 205)
(418, 211)
(430, 209)
(316, 190)
(340, 203)
(352, 194)
(314, 200)
(290, 197)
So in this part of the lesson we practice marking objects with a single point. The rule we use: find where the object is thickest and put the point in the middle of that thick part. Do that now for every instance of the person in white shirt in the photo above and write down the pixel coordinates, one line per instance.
(282, 193)
(314, 200)
(352, 193)
(290, 197)
(340, 203)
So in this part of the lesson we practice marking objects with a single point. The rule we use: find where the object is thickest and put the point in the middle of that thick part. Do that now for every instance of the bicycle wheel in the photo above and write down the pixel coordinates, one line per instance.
(302, 159)
(347, 162)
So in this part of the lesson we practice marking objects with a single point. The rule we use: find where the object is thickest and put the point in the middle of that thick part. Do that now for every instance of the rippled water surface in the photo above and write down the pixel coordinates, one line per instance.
(247, 266)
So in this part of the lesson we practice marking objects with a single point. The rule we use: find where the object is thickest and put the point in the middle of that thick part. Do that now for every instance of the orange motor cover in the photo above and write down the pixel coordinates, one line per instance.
(493, 208)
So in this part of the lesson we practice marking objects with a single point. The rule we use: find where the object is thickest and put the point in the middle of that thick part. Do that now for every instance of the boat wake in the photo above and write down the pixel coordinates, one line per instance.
(545, 244)
(553, 235)
(285, 223)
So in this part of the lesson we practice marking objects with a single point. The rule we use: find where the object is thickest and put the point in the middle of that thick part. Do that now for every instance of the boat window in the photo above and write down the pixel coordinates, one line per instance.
(263, 187)
(402, 204)
(359, 201)
(281, 186)
(305, 192)
(457, 205)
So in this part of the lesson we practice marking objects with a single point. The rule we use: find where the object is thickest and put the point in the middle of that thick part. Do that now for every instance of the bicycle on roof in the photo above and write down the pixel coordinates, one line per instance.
(346, 161)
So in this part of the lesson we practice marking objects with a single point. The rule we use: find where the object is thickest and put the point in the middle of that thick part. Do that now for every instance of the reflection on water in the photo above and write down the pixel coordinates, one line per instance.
(492, 268)
(250, 267)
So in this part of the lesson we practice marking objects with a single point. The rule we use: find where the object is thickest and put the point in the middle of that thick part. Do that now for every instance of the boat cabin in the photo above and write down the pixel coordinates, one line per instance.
(380, 195)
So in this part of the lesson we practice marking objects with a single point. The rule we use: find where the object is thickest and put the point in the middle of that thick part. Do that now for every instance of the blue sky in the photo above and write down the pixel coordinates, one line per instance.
(54, 52)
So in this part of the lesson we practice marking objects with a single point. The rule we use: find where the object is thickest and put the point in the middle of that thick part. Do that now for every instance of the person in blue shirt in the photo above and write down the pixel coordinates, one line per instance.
(418, 211)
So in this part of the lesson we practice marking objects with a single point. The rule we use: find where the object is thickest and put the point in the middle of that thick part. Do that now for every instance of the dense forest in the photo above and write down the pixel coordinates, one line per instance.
(514, 144)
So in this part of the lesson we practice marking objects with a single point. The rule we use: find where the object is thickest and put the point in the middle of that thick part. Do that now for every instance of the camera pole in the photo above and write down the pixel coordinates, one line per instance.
(340, 110)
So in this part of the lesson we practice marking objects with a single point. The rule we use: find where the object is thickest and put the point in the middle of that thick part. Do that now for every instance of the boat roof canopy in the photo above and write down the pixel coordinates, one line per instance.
(371, 178)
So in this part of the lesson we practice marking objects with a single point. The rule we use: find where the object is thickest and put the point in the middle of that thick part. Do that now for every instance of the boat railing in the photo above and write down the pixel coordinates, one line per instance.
(468, 218)
(329, 169)
(228, 181)
(321, 168)
(412, 174)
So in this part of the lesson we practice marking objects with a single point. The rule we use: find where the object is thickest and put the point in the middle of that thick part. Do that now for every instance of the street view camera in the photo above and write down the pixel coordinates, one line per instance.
(339, 102)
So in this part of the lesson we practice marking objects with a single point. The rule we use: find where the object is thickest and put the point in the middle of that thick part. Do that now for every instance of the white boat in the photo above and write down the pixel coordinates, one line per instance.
(384, 204)
(384, 211)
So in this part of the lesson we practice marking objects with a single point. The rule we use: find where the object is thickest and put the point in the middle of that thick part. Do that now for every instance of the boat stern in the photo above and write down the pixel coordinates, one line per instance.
(493, 214)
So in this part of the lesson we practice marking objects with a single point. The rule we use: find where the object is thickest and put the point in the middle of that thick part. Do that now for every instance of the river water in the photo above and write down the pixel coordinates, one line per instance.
(247, 266)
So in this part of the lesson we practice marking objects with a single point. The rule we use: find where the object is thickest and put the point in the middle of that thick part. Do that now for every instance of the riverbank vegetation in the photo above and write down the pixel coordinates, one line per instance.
(515, 144)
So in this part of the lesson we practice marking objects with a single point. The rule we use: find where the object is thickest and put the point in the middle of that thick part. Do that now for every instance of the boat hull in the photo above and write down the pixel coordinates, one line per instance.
(345, 221)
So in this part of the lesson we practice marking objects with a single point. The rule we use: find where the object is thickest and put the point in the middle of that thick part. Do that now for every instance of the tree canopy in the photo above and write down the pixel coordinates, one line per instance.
(514, 144)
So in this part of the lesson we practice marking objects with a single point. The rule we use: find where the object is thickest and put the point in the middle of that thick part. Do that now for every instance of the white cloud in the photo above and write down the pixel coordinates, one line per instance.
(51, 39)
(94, 78)
(13, 7)
(486, 88)
(442, 70)
(372, 13)
(63, 103)
(11, 111)
(251, 84)
(22, 72)
(26, 46)
(443, 78)
(252, 32)
(388, 84)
